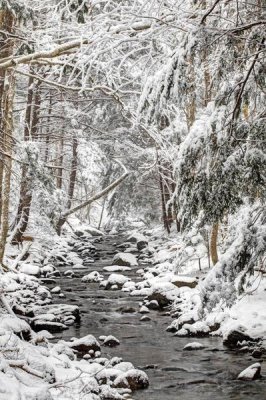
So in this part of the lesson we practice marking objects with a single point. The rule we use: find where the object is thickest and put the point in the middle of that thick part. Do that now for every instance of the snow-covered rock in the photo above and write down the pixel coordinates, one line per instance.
(116, 280)
(93, 276)
(56, 290)
(251, 373)
(133, 379)
(194, 346)
(110, 341)
(144, 310)
(235, 335)
(116, 268)
(84, 344)
(125, 259)
(30, 269)
(180, 281)
(164, 293)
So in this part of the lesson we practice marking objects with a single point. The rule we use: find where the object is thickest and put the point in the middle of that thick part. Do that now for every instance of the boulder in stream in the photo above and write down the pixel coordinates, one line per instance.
(116, 279)
(93, 276)
(125, 259)
(235, 337)
(133, 379)
(251, 373)
(110, 341)
(85, 344)
(194, 346)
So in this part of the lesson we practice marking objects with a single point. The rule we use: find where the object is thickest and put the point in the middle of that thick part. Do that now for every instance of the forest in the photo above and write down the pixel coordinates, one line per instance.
(132, 199)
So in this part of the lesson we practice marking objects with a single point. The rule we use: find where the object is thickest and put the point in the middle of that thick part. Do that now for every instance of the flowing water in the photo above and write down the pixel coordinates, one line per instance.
(174, 374)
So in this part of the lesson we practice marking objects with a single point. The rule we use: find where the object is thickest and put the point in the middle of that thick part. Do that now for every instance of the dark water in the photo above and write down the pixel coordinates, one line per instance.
(197, 375)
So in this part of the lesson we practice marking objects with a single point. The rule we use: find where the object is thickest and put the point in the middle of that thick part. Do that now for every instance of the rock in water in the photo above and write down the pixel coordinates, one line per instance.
(116, 279)
(133, 379)
(234, 338)
(111, 341)
(251, 373)
(85, 344)
(194, 346)
(93, 276)
(56, 290)
(125, 259)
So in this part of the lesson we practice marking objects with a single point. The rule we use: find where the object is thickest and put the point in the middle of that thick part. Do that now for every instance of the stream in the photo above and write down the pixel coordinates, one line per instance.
(173, 373)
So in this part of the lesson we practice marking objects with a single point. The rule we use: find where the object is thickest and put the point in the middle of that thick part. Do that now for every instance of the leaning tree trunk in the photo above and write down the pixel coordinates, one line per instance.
(86, 203)
(213, 243)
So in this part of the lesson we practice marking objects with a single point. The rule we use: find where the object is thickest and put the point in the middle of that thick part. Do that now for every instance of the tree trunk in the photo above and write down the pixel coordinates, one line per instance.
(72, 181)
(213, 244)
(164, 211)
(6, 25)
(7, 131)
(30, 132)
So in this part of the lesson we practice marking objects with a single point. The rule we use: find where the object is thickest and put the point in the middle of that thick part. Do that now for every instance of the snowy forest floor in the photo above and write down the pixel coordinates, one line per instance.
(122, 288)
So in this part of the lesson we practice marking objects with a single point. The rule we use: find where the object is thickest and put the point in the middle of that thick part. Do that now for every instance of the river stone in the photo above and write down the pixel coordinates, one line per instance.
(145, 318)
(181, 281)
(50, 326)
(56, 290)
(142, 244)
(257, 353)
(160, 297)
(133, 379)
(30, 269)
(144, 310)
(153, 305)
(194, 346)
(117, 280)
(234, 338)
(111, 341)
(251, 373)
(85, 344)
(125, 259)
(93, 276)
